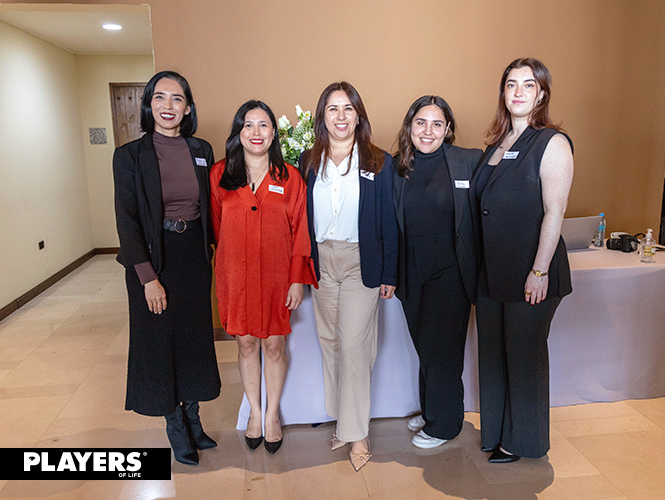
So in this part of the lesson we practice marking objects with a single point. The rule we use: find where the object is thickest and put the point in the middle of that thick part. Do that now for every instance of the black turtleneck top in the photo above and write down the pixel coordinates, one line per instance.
(428, 197)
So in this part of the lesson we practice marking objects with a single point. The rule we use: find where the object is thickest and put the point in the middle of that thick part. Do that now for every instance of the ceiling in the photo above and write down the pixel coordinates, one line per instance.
(78, 28)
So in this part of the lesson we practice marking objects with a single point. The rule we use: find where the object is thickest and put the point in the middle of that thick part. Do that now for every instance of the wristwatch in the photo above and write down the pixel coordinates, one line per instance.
(540, 274)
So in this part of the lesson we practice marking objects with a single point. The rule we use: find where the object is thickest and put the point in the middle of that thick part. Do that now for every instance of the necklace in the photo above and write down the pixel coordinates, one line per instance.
(254, 182)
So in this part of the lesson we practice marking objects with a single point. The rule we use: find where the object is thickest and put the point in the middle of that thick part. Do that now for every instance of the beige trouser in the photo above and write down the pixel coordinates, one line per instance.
(346, 314)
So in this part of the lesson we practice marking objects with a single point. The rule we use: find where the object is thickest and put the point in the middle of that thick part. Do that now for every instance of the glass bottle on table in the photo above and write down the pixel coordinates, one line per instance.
(647, 248)
(599, 238)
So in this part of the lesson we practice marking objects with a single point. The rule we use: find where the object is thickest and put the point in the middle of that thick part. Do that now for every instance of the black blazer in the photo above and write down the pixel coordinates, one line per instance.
(139, 211)
(377, 227)
(462, 164)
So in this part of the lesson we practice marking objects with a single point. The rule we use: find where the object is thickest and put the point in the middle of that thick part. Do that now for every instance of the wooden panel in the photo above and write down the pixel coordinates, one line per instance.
(126, 107)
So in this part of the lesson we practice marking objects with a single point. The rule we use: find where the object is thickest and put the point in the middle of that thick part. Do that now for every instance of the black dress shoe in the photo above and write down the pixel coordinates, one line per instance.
(499, 457)
(485, 449)
(272, 447)
(253, 443)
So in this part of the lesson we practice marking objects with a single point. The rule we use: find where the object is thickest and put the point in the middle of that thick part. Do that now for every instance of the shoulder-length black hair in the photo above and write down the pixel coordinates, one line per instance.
(404, 142)
(370, 157)
(540, 116)
(189, 123)
(235, 172)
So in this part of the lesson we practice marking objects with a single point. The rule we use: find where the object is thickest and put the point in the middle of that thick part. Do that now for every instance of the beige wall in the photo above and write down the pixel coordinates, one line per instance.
(54, 185)
(604, 55)
(43, 191)
(95, 72)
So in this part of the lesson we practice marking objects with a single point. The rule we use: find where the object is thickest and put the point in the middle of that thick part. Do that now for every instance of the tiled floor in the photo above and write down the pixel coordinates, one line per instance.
(62, 378)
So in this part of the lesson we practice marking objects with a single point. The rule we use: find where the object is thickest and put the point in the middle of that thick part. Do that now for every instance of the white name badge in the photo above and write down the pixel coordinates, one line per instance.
(462, 184)
(367, 175)
(201, 162)
(510, 155)
(275, 189)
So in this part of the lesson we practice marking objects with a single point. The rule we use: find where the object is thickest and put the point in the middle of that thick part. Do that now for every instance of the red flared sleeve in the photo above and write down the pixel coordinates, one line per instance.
(302, 265)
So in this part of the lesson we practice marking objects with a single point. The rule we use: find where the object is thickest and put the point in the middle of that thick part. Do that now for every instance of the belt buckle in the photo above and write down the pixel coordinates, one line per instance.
(184, 226)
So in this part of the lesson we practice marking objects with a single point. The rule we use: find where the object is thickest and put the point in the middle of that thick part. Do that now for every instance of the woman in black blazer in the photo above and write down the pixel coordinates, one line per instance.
(437, 268)
(521, 192)
(162, 194)
(354, 247)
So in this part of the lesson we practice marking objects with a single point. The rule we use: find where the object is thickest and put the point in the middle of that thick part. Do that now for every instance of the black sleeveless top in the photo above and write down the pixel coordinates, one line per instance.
(509, 212)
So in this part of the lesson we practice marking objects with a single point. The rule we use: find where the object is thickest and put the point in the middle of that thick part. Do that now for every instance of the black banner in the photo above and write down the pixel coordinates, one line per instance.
(85, 463)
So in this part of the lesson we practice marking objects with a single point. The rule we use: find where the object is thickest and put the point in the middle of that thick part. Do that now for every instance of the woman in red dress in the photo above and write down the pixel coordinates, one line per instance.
(258, 206)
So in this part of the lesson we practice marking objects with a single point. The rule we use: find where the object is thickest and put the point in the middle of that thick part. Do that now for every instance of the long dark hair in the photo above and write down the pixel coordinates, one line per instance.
(370, 156)
(189, 123)
(235, 172)
(540, 116)
(404, 142)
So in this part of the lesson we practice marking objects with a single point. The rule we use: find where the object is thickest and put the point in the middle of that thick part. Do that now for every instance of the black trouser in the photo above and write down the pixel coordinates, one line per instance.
(513, 364)
(437, 312)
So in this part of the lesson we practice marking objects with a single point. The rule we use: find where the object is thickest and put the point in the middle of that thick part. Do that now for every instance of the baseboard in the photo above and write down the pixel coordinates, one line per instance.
(47, 283)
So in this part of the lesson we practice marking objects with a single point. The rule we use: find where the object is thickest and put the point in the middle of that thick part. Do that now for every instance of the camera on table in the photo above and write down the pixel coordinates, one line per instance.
(624, 242)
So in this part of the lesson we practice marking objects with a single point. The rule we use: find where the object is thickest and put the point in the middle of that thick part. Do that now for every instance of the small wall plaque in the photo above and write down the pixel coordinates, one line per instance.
(97, 136)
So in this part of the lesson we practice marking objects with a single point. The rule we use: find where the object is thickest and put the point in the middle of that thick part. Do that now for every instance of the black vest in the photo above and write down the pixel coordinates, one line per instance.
(510, 213)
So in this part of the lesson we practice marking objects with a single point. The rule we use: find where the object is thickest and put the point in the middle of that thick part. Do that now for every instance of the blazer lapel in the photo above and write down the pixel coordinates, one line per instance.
(520, 144)
(399, 183)
(458, 172)
(152, 183)
(201, 173)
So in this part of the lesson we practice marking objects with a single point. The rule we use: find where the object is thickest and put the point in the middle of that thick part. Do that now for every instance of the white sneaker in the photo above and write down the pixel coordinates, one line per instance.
(416, 423)
(422, 440)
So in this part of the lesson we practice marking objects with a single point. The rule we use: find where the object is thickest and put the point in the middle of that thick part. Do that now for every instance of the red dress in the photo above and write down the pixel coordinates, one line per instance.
(262, 248)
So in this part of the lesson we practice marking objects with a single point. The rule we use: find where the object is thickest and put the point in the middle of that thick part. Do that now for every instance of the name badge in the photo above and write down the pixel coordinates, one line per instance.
(275, 189)
(510, 155)
(462, 184)
(367, 175)
(201, 162)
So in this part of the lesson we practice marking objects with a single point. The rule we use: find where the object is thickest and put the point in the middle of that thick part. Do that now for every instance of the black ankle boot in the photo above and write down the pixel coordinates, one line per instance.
(190, 410)
(176, 430)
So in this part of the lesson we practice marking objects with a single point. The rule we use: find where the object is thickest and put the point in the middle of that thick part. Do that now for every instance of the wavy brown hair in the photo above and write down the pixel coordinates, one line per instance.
(540, 116)
(370, 156)
(404, 143)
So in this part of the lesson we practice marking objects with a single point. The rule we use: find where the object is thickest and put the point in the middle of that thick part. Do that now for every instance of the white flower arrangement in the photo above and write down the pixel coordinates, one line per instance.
(295, 140)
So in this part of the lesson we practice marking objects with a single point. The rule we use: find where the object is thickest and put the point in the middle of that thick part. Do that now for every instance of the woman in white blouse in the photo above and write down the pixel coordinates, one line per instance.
(354, 246)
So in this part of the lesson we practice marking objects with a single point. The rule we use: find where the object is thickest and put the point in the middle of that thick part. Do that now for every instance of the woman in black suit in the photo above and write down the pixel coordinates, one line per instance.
(161, 200)
(521, 190)
(437, 268)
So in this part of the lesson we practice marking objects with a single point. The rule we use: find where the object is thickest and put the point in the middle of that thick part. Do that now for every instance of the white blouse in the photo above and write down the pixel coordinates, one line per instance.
(337, 200)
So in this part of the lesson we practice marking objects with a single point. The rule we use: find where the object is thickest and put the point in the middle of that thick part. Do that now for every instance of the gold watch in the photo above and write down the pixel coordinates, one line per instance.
(540, 274)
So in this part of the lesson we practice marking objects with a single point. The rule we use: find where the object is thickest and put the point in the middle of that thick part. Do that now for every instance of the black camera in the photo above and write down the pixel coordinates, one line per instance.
(625, 242)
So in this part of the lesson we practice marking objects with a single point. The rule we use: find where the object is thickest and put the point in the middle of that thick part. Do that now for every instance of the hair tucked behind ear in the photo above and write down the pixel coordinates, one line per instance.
(189, 122)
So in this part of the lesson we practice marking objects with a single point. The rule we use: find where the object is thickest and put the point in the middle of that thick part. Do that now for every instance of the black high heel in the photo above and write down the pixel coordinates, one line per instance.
(273, 446)
(253, 443)
(190, 411)
(176, 430)
(498, 456)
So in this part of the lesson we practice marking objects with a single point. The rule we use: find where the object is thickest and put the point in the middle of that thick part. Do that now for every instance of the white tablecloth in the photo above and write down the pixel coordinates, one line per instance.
(607, 343)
